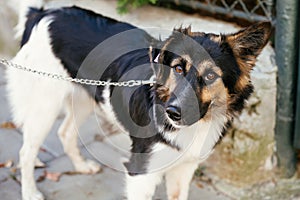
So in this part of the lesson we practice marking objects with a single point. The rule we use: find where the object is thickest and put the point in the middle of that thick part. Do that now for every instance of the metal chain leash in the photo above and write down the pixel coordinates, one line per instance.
(130, 83)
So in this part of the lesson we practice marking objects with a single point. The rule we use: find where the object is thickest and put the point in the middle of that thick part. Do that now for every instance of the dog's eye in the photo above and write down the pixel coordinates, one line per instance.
(178, 69)
(210, 77)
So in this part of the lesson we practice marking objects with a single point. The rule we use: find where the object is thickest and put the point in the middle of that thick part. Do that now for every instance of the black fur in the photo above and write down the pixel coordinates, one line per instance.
(79, 40)
(33, 17)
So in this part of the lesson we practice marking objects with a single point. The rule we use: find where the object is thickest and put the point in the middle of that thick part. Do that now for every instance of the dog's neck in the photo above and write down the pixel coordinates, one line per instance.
(199, 138)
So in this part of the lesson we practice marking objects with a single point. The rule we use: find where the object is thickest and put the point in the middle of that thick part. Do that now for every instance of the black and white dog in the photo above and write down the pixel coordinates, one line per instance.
(202, 82)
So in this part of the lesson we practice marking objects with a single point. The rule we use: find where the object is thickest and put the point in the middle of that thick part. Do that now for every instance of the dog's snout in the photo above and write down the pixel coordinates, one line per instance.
(174, 113)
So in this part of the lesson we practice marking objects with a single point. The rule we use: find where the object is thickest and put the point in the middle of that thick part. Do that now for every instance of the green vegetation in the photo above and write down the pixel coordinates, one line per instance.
(124, 5)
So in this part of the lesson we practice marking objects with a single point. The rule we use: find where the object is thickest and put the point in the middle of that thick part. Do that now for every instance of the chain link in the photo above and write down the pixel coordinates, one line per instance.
(130, 83)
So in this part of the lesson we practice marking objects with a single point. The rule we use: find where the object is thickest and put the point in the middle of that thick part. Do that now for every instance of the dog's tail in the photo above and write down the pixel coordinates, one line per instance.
(27, 7)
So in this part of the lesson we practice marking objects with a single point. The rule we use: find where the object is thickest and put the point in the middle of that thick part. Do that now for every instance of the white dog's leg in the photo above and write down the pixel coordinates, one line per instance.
(142, 187)
(35, 128)
(78, 107)
(178, 180)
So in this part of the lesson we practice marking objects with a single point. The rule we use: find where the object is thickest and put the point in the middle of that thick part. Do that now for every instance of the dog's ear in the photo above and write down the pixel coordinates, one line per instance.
(153, 54)
(248, 43)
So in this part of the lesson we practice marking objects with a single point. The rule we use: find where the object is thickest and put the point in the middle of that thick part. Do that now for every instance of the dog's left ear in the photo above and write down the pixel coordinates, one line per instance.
(248, 43)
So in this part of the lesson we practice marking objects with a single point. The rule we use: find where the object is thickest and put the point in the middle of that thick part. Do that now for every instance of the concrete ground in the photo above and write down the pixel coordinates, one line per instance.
(109, 150)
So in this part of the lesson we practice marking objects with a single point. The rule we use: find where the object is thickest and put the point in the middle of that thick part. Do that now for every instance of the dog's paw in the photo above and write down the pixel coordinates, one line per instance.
(88, 167)
(34, 195)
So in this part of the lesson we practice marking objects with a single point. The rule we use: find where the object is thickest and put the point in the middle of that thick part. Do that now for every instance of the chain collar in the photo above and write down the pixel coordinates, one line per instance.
(130, 83)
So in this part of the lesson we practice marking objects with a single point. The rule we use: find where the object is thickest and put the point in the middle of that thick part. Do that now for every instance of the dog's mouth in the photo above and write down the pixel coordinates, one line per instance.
(170, 125)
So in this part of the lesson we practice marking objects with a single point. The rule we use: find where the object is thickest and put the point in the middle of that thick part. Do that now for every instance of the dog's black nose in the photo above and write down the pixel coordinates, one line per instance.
(174, 113)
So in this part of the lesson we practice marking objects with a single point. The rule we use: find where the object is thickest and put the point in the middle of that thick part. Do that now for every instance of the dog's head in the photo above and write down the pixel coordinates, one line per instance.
(204, 76)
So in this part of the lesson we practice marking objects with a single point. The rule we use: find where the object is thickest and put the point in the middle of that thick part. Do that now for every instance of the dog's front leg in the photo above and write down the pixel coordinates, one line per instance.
(178, 180)
(142, 187)
(140, 183)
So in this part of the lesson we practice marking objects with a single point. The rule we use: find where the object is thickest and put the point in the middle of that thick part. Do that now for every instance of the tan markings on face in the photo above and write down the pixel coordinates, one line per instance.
(187, 58)
(189, 62)
(171, 81)
(215, 38)
(206, 65)
(178, 61)
(163, 93)
(175, 62)
(211, 92)
(214, 93)
(206, 96)
(217, 95)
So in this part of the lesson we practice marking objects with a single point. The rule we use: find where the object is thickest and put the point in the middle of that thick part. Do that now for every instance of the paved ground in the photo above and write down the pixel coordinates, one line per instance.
(110, 150)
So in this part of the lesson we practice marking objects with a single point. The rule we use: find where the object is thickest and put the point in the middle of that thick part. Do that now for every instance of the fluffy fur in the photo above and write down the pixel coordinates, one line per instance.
(202, 79)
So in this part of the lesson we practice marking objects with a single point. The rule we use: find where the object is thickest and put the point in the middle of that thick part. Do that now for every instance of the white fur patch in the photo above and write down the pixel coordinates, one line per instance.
(26, 88)
(156, 59)
(142, 187)
(196, 142)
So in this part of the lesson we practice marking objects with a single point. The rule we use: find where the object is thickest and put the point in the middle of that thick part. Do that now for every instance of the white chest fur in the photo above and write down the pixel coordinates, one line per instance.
(199, 139)
(196, 143)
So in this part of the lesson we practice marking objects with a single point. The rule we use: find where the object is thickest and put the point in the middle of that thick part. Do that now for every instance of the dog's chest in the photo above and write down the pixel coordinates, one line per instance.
(195, 144)
(197, 141)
